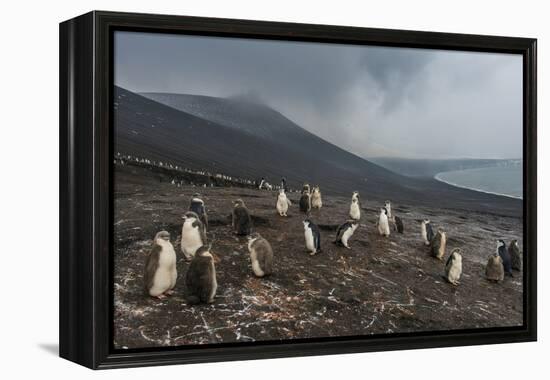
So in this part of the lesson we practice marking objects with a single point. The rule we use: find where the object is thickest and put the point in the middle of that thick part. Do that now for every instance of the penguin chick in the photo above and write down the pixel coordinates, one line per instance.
(399, 225)
(383, 223)
(160, 267)
(261, 255)
(305, 203)
(387, 206)
(200, 280)
(345, 232)
(312, 236)
(515, 255)
(355, 207)
(438, 244)
(240, 218)
(316, 201)
(196, 205)
(193, 235)
(494, 271)
(283, 203)
(453, 267)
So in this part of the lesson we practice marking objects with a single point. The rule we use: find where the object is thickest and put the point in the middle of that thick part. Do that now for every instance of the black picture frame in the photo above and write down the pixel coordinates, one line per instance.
(86, 151)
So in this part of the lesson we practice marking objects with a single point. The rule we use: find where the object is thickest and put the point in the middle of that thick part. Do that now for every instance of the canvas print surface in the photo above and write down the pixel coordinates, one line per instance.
(277, 190)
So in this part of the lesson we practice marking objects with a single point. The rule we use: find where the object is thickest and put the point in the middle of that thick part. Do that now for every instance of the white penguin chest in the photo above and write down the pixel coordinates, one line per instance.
(455, 270)
(354, 210)
(190, 234)
(347, 234)
(167, 257)
(310, 241)
(282, 203)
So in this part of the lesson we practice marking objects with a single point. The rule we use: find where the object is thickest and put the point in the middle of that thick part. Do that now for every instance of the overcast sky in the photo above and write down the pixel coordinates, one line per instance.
(372, 101)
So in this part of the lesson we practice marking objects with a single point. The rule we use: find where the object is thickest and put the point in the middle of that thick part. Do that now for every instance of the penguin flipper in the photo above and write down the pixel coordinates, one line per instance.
(151, 266)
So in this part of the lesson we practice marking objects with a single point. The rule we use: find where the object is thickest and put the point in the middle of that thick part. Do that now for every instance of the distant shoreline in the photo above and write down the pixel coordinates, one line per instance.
(436, 177)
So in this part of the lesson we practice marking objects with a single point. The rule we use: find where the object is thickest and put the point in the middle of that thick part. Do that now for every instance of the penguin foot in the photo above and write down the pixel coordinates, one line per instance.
(160, 296)
(312, 253)
(169, 292)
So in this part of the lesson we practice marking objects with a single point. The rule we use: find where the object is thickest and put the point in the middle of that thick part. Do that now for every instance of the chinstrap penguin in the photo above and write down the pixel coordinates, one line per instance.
(282, 203)
(515, 255)
(505, 256)
(312, 236)
(453, 267)
(494, 271)
(200, 280)
(160, 267)
(193, 235)
(316, 201)
(197, 206)
(383, 223)
(426, 231)
(261, 255)
(345, 232)
(240, 218)
(355, 207)
(438, 244)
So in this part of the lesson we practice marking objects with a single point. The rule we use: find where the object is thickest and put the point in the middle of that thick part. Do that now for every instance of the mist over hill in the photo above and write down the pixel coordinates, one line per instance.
(240, 138)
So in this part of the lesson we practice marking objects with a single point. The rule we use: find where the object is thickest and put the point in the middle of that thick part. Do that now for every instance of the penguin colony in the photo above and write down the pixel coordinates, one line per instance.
(200, 280)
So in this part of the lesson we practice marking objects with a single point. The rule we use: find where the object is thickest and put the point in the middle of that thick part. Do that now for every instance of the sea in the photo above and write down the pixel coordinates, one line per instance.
(500, 180)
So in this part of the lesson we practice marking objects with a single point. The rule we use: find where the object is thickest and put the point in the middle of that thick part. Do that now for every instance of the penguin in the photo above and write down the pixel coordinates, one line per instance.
(261, 255)
(305, 203)
(316, 201)
(438, 244)
(282, 203)
(383, 223)
(355, 207)
(453, 267)
(160, 267)
(200, 280)
(427, 231)
(193, 235)
(197, 206)
(494, 271)
(345, 232)
(313, 237)
(398, 224)
(505, 256)
(262, 181)
(515, 255)
(387, 205)
(284, 186)
(240, 218)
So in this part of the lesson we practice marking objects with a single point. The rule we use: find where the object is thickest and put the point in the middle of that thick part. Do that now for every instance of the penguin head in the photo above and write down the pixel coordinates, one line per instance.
(387, 203)
(238, 202)
(281, 191)
(500, 243)
(306, 222)
(164, 235)
(189, 215)
(254, 236)
(457, 254)
(514, 243)
(426, 221)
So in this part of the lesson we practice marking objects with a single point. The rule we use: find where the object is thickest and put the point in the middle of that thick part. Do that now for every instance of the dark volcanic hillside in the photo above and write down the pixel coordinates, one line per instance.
(249, 140)
(275, 149)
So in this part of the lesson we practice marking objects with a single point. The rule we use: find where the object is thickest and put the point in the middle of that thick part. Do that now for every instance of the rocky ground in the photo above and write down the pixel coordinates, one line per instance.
(381, 285)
